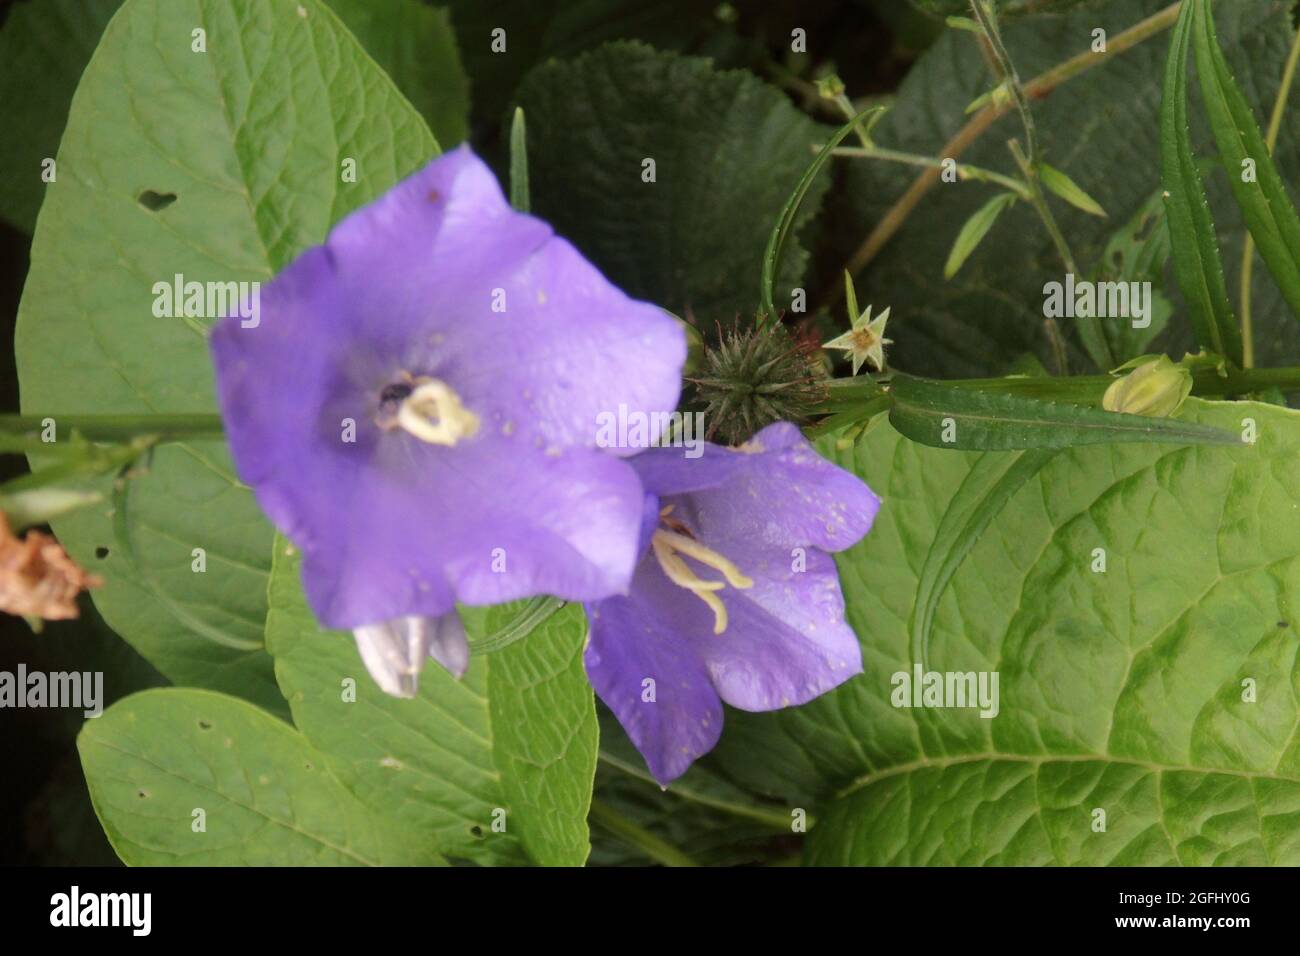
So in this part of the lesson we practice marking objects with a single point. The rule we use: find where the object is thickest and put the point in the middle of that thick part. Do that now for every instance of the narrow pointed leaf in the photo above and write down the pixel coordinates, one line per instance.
(940, 415)
(974, 231)
(1197, 264)
(1065, 187)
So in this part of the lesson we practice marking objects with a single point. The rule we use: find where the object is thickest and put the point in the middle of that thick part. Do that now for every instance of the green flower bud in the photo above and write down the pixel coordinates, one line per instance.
(1157, 388)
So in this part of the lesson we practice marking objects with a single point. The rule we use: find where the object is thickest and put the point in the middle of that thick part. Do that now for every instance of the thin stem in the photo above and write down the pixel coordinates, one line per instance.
(1039, 202)
(1248, 247)
(1002, 56)
(964, 172)
(1037, 88)
(638, 836)
(119, 428)
(772, 818)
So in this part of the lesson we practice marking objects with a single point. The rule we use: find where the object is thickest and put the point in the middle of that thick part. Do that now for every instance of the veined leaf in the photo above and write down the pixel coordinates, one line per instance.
(513, 743)
(185, 776)
(256, 180)
(944, 416)
(1065, 187)
(1197, 264)
(1138, 603)
(974, 231)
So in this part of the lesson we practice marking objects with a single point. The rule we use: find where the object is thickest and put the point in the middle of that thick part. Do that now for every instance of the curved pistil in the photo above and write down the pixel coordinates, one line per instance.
(668, 547)
(433, 412)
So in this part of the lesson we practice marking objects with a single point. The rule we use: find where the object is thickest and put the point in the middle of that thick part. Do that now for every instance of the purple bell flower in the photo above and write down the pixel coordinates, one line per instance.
(736, 597)
(416, 406)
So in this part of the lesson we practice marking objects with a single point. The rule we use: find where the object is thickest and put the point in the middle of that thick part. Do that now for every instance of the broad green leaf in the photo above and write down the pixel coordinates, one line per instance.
(1195, 245)
(1065, 187)
(1268, 209)
(727, 151)
(974, 230)
(1119, 690)
(934, 413)
(44, 46)
(416, 46)
(514, 741)
(256, 179)
(991, 313)
(156, 759)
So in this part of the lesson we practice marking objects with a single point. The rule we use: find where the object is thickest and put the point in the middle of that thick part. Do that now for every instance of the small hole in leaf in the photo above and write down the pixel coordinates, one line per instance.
(204, 725)
(156, 201)
(101, 552)
(308, 766)
(1281, 624)
(476, 830)
(142, 794)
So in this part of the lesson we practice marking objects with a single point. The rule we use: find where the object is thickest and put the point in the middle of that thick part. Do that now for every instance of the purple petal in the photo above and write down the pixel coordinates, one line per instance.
(391, 526)
(774, 488)
(630, 644)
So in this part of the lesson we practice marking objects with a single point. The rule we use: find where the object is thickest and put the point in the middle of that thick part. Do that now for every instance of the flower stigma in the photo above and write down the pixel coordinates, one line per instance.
(428, 409)
(672, 541)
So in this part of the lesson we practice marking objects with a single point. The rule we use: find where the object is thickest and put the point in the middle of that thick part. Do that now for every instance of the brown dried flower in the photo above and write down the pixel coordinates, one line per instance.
(37, 578)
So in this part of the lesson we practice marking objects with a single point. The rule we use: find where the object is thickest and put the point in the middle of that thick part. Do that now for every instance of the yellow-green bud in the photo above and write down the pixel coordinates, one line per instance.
(1156, 388)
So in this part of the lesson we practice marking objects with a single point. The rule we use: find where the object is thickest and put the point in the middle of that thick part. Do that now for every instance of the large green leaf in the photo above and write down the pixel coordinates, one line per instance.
(256, 179)
(517, 733)
(44, 46)
(728, 151)
(415, 45)
(1119, 690)
(1102, 129)
(267, 798)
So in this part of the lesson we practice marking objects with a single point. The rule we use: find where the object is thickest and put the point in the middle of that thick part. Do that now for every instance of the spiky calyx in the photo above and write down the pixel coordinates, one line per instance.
(756, 375)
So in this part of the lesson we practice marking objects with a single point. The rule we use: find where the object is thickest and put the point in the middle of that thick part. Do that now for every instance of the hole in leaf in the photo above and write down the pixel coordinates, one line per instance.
(204, 725)
(476, 830)
(101, 552)
(156, 201)
(142, 794)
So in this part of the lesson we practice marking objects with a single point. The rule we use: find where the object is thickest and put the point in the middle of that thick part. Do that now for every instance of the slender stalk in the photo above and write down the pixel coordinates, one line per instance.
(964, 172)
(1039, 202)
(1248, 247)
(987, 21)
(1037, 88)
(118, 428)
(638, 836)
(768, 817)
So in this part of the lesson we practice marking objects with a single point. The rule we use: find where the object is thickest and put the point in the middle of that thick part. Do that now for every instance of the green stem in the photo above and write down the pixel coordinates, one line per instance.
(638, 836)
(915, 159)
(1248, 248)
(988, 22)
(119, 428)
(772, 818)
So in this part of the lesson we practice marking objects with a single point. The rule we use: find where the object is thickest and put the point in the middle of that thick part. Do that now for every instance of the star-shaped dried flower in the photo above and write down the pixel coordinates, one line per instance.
(866, 339)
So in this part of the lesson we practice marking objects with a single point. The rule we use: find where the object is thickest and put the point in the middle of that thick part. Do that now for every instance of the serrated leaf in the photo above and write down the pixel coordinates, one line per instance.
(156, 758)
(1119, 690)
(947, 416)
(516, 734)
(1065, 187)
(255, 182)
(727, 151)
(974, 230)
(1197, 264)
